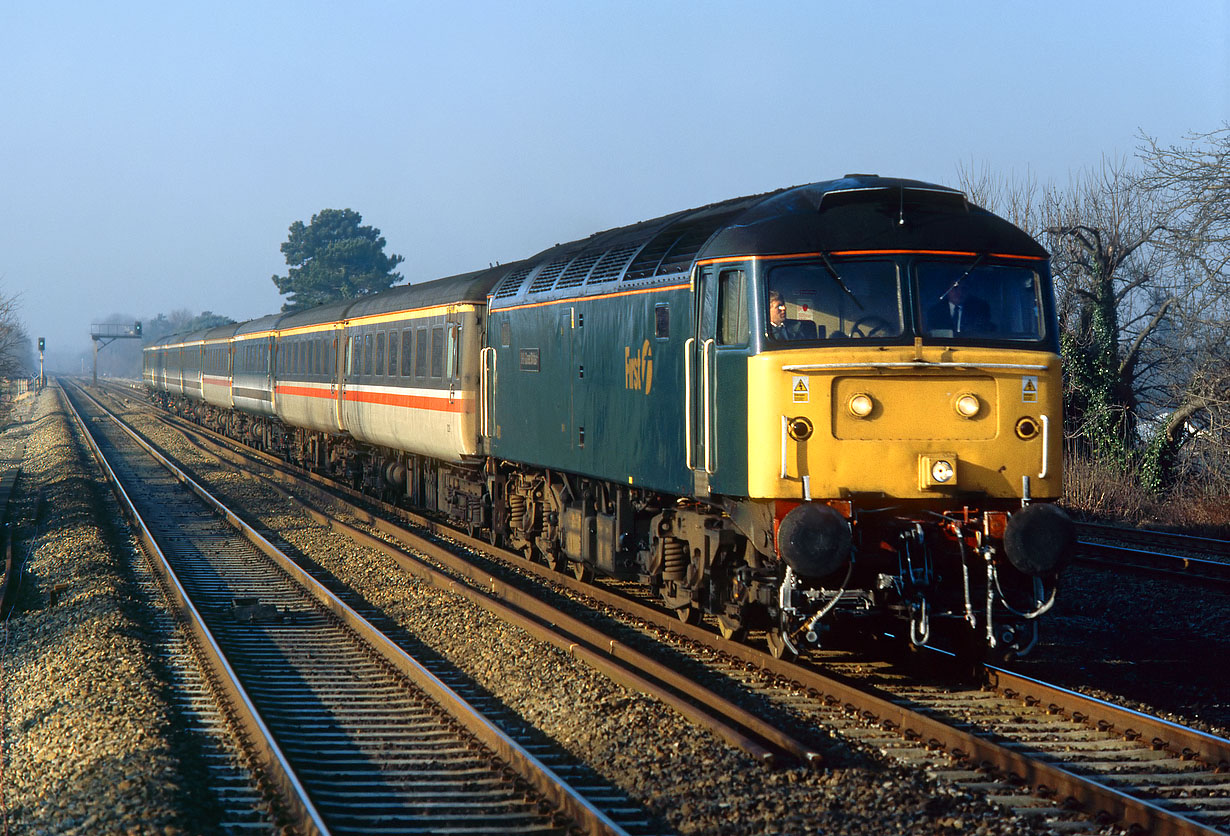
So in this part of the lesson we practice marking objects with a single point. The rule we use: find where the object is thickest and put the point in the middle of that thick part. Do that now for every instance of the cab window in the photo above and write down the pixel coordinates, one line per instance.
(810, 301)
(732, 328)
(979, 301)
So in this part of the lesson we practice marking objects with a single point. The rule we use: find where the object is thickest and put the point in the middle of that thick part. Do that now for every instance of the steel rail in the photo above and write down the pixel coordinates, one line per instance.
(1046, 779)
(537, 774)
(1181, 741)
(1171, 538)
(281, 774)
(1190, 570)
(609, 656)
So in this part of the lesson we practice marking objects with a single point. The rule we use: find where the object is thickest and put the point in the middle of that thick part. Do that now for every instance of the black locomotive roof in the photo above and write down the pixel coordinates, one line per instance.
(856, 213)
(859, 212)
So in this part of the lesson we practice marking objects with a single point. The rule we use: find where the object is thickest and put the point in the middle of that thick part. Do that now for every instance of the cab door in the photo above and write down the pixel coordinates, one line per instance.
(701, 382)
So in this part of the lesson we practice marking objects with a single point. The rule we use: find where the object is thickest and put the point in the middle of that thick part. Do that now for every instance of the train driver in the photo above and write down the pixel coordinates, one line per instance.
(959, 312)
(781, 328)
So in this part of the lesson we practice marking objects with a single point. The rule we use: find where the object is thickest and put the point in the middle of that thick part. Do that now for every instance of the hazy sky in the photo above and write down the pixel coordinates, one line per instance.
(152, 155)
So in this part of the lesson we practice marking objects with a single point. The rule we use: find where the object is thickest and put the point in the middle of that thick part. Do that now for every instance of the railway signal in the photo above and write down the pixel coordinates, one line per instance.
(107, 333)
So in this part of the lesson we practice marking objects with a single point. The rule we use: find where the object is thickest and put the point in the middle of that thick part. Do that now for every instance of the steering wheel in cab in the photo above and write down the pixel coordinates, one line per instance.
(875, 325)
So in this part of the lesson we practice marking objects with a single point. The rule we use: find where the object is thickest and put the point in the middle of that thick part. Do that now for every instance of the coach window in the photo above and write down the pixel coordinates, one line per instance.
(407, 340)
(350, 350)
(451, 351)
(732, 308)
(380, 353)
(369, 353)
(420, 353)
(392, 353)
(437, 351)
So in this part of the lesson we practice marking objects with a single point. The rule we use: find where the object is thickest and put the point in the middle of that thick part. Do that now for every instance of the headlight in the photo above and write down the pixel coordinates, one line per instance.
(967, 405)
(860, 405)
(942, 471)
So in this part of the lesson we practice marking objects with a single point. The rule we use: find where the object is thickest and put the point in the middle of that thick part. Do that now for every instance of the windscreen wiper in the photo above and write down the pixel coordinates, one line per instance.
(837, 276)
(981, 258)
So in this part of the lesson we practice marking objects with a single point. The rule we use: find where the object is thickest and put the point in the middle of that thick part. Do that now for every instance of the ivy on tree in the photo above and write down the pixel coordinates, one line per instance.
(334, 258)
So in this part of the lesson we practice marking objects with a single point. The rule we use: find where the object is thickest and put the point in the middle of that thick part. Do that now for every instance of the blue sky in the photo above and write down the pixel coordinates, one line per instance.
(152, 155)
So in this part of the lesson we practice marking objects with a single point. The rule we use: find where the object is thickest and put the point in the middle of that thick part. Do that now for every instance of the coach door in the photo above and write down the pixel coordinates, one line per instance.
(701, 383)
(341, 367)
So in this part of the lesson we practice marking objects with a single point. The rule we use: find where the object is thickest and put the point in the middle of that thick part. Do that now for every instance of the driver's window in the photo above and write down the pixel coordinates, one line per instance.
(810, 301)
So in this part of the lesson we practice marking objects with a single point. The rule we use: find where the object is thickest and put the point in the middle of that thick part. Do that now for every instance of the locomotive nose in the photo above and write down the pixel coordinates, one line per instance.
(814, 540)
(1039, 539)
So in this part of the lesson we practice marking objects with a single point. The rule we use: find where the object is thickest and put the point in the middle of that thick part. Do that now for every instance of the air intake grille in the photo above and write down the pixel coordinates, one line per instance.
(612, 263)
(511, 283)
(579, 269)
(545, 279)
(673, 249)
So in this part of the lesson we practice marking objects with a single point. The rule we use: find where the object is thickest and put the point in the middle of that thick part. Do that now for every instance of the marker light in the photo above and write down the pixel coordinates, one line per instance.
(941, 471)
(1026, 428)
(860, 405)
(967, 405)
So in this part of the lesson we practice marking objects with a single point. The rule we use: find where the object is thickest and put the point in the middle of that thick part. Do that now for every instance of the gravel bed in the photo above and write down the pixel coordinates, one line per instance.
(1152, 645)
(90, 742)
(692, 782)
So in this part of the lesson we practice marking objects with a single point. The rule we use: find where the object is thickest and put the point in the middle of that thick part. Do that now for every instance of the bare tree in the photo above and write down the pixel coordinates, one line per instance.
(1124, 292)
(1191, 185)
(16, 353)
(1116, 294)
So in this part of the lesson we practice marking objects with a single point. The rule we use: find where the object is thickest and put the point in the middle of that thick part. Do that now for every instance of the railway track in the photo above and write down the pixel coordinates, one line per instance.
(1039, 749)
(1202, 561)
(356, 736)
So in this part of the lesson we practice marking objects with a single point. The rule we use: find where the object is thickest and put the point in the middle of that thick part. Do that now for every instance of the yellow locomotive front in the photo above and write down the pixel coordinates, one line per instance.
(905, 420)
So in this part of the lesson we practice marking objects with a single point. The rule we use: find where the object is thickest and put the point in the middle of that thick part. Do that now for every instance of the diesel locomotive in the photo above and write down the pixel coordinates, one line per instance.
(830, 408)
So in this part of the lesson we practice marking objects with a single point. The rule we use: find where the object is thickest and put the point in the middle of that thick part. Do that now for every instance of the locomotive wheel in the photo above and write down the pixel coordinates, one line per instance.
(688, 614)
(777, 645)
(582, 571)
(731, 629)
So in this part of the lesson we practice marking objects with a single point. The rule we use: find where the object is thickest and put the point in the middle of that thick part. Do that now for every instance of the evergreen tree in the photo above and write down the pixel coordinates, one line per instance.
(334, 258)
